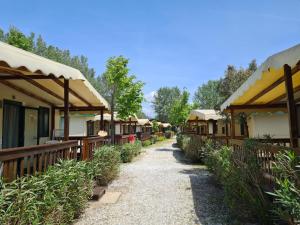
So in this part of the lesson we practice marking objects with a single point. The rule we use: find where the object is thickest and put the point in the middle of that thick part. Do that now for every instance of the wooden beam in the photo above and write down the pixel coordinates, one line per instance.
(83, 108)
(281, 97)
(232, 123)
(292, 114)
(16, 74)
(18, 77)
(60, 83)
(66, 110)
(25, 92)
(257, 106)
(266, 90)
(101, 120)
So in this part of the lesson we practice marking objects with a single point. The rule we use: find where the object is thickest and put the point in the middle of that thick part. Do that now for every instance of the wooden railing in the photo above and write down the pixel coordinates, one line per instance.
(145, 136)
(264, 150)
(90, 144)
(34, 159)
(122, 139)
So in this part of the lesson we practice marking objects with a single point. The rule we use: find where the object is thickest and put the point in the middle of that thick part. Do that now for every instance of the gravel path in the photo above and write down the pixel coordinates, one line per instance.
(160, 188)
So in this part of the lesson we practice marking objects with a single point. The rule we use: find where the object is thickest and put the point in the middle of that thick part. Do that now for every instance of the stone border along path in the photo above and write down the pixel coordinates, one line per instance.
(159, 188)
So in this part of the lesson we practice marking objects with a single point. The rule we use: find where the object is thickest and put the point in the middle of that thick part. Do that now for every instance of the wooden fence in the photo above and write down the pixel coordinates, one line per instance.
(25, 161)
(265, 150)
(33, 159)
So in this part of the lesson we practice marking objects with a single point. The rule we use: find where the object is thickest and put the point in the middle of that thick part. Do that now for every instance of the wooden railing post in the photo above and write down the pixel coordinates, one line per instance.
(85, 149)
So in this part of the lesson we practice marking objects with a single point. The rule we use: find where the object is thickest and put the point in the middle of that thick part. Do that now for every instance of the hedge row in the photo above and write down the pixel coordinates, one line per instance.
(60, 194)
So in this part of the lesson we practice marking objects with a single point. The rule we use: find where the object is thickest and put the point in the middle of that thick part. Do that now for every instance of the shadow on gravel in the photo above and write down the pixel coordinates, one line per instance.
(208, 197)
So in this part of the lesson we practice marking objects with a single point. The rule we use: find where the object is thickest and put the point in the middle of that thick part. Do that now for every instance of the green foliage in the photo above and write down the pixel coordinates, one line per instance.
(180, 109)
(56, 197)
(169, 134)
(129, 151)
(153, 139)
(179, 140)
(106, 164)
(146, 143)
(192, 147)
(124, 92)
(161, 138)
(287, 191)
(213, 93)
(242, 181)
(164, 100)
(155, 126)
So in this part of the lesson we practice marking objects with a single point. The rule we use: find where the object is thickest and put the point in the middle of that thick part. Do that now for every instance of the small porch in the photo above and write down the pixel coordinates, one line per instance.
(34, 93)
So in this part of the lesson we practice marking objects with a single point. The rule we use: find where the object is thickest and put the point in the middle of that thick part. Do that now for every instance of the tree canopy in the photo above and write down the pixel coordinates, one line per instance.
(180, 109)
(212, 94)
(123, 90)
(163, 101)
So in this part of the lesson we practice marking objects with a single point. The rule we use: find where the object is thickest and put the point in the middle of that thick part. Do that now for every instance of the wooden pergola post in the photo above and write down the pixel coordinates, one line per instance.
(52, 129)
(232, 124)
(197, 125)
(66, 109)
(292, 113)
(129, 125)
(101, 120)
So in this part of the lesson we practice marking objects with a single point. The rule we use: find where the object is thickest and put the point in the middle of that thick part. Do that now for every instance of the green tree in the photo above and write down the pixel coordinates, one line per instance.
(141, 115)
(125, 93)
(234, 78)
(180, 109)
(155, 126)
(163, 101)
(208, 96)
(16, 38)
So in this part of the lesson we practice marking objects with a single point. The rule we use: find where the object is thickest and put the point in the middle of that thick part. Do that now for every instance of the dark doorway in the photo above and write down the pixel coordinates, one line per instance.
(13, 124)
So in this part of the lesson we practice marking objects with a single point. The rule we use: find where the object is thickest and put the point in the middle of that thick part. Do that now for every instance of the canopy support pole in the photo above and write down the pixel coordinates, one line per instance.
(292, 114)
(232, 124)
(101, 120)
(66, 109)
(52, 129)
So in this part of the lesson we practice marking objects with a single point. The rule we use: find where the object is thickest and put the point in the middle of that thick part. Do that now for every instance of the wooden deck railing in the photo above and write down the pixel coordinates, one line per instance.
(122, 139)
(145, 136)
(90, 144)
(265, 151)
(33, 159)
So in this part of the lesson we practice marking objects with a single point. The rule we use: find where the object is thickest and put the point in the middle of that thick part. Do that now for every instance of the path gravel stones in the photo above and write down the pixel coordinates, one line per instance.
(160, 188)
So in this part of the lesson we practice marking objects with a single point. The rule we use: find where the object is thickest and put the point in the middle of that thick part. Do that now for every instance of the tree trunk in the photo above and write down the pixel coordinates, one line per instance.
(112, 120)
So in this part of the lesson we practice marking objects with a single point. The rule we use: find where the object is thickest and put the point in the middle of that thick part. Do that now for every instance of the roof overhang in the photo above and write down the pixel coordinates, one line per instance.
(204, 114)
(265, 88)
(43, 79)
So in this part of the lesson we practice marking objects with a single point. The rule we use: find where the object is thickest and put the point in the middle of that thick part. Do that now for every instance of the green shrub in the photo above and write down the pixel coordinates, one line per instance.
(242, 181)
(153, 139)
(129, 151)
(55, 197)
(146, 143)
(179, 139)
(161, 138)
(287, 191)
(169, 134)
(106, 164)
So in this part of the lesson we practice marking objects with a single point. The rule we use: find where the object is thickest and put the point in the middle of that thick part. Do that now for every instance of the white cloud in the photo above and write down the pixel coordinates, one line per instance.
(150, 96)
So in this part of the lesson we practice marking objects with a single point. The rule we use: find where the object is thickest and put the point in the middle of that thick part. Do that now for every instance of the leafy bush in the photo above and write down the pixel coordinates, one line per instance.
(106, 164)
(129, 151)
(146, 143)
(55, 197)
(179, 138)
(287, 191)
(161, 138)
(153, 139)
(242, 181)
(169, 134)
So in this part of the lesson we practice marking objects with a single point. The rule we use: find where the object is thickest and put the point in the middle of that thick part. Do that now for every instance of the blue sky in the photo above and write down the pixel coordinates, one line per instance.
(169, 42)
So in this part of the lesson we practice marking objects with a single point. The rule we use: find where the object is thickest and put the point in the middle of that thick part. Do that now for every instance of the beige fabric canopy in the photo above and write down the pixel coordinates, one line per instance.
(20, 63)
(267, 74)
(107, 117)
(165, 125)
(144, 122)
(204, 114)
